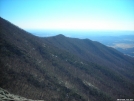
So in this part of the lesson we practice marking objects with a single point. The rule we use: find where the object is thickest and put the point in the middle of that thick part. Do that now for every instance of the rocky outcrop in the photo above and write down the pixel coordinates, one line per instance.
(6, 96)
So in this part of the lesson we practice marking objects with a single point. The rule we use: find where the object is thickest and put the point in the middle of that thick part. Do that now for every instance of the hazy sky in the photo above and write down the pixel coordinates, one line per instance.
(70, 14)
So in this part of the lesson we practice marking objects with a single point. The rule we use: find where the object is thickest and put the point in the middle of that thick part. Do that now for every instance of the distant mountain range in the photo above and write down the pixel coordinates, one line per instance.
(60, 68)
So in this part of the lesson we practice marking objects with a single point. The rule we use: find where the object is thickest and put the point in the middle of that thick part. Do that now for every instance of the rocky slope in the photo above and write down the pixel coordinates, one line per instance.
(6, 96)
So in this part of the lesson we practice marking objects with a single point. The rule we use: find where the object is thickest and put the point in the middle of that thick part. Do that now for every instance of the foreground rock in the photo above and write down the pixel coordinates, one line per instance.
(6, 96)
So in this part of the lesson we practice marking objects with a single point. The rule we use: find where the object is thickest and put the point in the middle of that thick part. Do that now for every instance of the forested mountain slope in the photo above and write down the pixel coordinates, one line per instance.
(95, 52)
(61, 68)
(90, 50)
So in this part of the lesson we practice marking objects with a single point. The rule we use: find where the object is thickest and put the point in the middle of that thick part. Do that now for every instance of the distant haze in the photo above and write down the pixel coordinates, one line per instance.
(96, 15)
(79, 33)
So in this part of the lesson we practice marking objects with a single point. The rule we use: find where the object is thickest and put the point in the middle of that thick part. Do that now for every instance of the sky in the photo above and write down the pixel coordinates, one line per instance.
(69, 14)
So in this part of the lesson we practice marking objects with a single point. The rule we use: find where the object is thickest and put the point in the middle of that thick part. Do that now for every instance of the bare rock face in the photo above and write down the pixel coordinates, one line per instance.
(6, 96)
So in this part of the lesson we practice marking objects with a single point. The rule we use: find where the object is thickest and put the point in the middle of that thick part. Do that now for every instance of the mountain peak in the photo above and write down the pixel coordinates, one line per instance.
(60, 35)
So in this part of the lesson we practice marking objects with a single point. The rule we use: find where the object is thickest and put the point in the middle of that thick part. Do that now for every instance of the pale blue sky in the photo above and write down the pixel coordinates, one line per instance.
(69, 14)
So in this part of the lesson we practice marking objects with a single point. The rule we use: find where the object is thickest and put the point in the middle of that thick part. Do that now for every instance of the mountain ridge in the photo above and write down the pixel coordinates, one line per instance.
(53, 72)
(98, 50)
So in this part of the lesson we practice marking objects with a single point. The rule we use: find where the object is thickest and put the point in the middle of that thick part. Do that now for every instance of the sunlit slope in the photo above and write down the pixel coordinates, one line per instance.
(36, 68)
